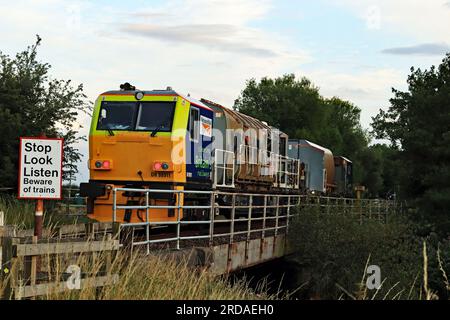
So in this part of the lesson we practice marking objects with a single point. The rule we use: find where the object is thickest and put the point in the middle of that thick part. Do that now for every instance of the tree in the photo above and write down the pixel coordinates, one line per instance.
(284, 103)
(417, 123)
(297, 108)
(343, 131)
(32, 103)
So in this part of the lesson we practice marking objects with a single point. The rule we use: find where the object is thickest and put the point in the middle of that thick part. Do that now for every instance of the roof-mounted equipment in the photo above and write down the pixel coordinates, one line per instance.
(127, 87)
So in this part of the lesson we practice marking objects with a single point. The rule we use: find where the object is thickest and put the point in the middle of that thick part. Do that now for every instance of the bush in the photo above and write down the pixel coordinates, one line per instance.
(332, 251)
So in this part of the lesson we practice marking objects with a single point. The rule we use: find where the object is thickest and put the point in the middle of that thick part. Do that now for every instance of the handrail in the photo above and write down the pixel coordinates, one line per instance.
(226, 166)
(272, 212)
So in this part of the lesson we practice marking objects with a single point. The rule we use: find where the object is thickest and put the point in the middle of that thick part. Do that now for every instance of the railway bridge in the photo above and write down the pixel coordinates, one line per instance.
(251, 229)
(254, 229)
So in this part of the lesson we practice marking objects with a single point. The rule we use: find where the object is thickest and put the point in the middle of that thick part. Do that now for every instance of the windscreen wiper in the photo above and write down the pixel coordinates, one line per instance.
(159, 127)
(110, 132)
(155, 131)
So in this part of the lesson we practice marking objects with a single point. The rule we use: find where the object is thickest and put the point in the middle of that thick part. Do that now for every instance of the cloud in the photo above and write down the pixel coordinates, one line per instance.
(235, 12)
(224, 37)
(426, 49)
(221, 26)
(150, 15)
(425, 21)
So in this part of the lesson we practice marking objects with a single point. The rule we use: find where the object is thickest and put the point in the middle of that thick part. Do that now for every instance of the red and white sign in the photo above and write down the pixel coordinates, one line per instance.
(40, 168)
(206, 126)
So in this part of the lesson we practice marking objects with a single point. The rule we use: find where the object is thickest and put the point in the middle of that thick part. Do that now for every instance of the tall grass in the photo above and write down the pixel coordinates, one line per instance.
(20, 213)
(332, 251)
(144, 277)
(140, 276)
(424, 291)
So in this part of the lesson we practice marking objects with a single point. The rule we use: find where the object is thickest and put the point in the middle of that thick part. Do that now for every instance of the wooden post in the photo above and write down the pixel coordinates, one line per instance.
(90, 231)
(9, 273)
(38, 214)
(116, 230)
(38, 221)
(108, 263)
(34, 266)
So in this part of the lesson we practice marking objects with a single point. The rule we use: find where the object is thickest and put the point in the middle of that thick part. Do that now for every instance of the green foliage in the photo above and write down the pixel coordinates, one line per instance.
(276, 100)
(32, 103)
(418, 124)
(380, 168)
(297, 108)
(332, 251)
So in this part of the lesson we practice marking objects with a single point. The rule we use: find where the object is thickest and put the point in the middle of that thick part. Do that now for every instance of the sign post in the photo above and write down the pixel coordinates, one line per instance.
(40, 173)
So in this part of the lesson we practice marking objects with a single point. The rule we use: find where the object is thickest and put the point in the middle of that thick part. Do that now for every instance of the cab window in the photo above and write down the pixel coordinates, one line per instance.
(136, 116)
(194, 124)
(155, 116)
(116, 116)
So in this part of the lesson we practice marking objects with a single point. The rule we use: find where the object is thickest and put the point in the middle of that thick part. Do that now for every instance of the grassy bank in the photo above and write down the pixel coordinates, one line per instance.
(332, 254)
(140, 276)
(333, 251)
(144, 277)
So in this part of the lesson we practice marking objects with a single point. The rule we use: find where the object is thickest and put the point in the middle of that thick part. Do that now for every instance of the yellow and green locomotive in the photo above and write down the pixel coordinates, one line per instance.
(164, 140)
(138, 139)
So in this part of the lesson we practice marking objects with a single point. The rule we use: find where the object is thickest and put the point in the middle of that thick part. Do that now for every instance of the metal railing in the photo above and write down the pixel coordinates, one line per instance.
(247, 214)
(148, 223)
(284, 171)
(271, 209)
(288, 174)
(223, 168)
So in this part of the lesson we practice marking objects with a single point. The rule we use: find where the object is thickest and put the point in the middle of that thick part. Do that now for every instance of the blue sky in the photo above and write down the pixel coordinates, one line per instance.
(357, 50)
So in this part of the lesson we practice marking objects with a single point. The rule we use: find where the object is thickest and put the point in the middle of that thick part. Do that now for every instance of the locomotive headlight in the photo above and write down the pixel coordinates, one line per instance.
(106, 164)
(103, 165)
(165, 166)
(157, 166)
(139, 95)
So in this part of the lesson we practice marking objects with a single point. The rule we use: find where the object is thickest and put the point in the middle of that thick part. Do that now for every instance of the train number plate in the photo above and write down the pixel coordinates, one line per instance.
(161, 174)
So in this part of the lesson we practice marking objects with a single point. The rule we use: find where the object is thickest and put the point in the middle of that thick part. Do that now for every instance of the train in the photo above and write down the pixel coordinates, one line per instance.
(165, 140)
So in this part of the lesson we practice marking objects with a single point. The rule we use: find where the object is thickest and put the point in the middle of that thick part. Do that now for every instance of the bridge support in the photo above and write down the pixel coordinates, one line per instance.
(226, 258)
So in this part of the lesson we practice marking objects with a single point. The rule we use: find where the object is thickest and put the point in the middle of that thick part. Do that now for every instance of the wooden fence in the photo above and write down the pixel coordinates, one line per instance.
(31, 268)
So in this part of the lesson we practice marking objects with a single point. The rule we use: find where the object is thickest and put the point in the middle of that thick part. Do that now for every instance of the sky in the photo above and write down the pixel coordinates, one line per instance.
(354, 49)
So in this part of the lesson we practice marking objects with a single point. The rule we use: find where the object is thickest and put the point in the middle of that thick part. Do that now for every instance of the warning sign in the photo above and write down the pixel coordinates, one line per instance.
(206, 127)
(40, 168)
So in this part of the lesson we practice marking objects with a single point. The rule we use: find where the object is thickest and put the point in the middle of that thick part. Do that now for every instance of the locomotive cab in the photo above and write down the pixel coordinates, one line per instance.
(144, 140)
